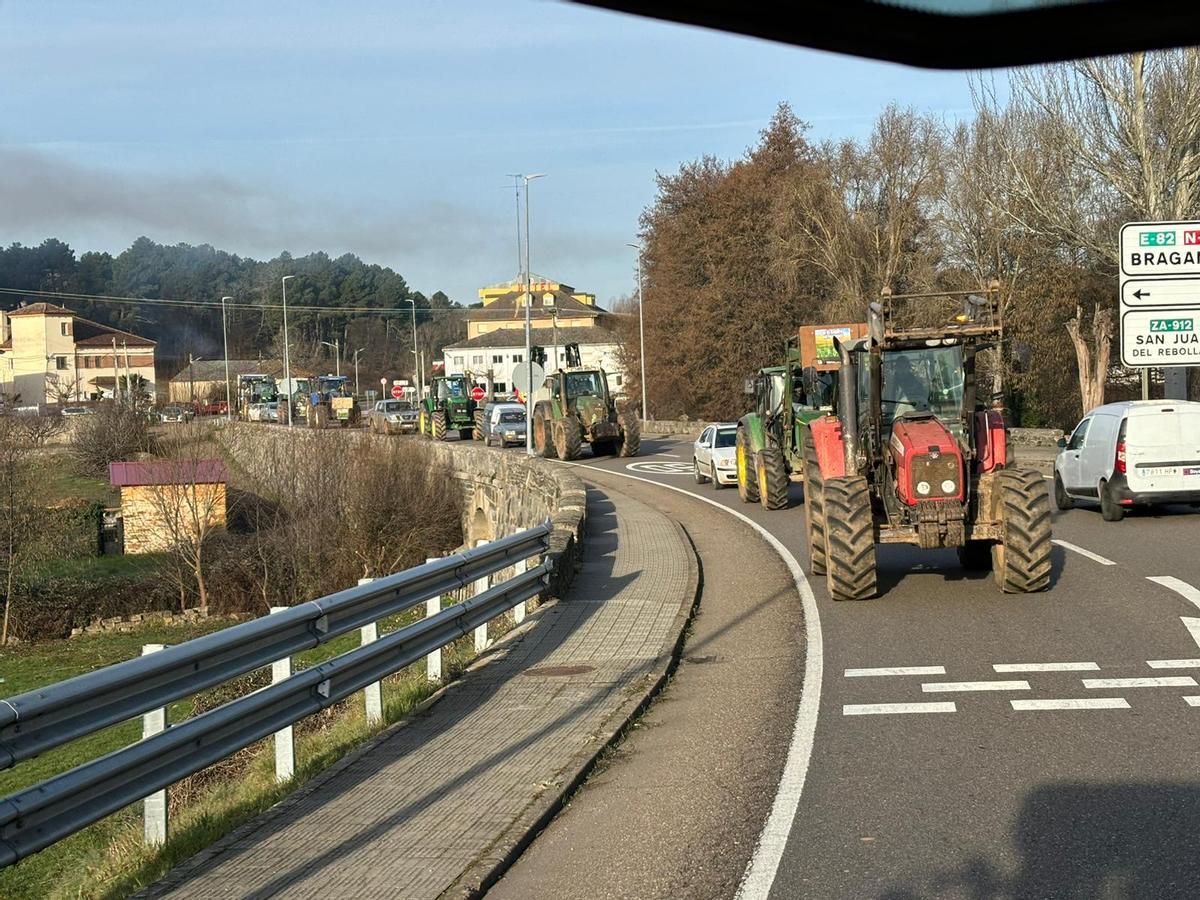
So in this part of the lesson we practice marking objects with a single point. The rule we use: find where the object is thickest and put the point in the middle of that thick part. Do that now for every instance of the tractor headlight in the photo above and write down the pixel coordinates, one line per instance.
(923, 488)
(949, 487)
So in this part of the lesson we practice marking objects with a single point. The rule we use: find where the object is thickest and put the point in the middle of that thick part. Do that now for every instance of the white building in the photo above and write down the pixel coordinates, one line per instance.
(500, 352)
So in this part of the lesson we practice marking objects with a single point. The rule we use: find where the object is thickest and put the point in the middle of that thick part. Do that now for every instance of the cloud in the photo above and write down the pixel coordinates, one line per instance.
(45, 194)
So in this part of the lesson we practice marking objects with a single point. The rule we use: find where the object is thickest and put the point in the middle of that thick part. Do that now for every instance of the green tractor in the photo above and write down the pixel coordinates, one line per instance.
(448, 407)
(573, 406)
(770, 439)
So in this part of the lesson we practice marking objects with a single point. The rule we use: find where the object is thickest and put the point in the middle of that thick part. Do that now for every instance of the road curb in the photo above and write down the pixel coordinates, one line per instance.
(490, 868)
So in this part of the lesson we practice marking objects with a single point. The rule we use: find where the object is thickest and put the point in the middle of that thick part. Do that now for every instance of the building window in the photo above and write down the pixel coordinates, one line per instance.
(458, 361)
(500, 387)
(518, 357)
(477, 360)
(87, 362)
(497, 358)
(60, 363)
(65, 327)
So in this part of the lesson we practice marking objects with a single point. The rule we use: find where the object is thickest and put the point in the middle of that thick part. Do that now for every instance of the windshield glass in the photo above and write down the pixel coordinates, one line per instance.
(456, 387)
(512, 417)
(926, 380)
(580, 383)
(726, 437)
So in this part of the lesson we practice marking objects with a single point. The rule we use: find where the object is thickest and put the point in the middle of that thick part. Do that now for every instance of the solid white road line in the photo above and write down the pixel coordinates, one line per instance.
(895, 670)
(1193, 626)
(1173, 663)
(1095, 557)
(1088, 703)
(1047, 667)
(1182, 588)
(1169, 681)
(764, 863)
(886, 709)
(937, 687)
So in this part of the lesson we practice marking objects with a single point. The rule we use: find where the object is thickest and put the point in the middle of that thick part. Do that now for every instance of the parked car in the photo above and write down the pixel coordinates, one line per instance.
(263, 411)
(175, 414)
(1140, 452)
(212, 408)
(504, 424)
(714, 455)
(392, 417)
(70, 412)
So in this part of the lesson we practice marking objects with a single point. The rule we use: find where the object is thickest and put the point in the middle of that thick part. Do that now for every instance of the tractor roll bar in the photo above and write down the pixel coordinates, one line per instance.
(848, 407)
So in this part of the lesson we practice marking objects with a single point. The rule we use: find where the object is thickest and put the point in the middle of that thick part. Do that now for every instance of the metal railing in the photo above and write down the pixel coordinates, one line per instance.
(38, 720)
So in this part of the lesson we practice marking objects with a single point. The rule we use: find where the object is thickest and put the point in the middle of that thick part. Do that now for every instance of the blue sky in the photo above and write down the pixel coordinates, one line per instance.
(386, 128)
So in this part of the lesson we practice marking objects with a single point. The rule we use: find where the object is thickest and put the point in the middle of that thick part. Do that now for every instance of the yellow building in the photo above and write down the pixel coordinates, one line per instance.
(50, 355)
(553, 303)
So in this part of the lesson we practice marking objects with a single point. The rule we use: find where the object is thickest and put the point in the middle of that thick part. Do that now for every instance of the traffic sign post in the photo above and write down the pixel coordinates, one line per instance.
(478, 393)
(397, 391)
(1160, 296)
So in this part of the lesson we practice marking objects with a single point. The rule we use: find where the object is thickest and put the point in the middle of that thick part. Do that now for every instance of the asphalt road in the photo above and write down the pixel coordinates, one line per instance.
(1033, 774)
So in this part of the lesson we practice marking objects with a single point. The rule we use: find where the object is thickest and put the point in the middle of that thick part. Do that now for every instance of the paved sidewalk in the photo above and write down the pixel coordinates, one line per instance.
(440, 805)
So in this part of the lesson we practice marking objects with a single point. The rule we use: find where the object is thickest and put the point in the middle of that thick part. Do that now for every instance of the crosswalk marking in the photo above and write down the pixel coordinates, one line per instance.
(1065, 703)
(1170, 681)
(895, 670)
(1047, 667)
(1173, 663)
(883, 709)
(935, 687)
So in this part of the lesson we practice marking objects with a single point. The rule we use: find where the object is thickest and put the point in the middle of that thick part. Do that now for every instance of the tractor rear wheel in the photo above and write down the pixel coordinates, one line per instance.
(477, 434)
(814, 514)
(631, 434)
(438, 425)
(772, 478)
(849, 539)
(543, 436)
(567, 437)
(746, 476)
(1021, 560)
(422, 424)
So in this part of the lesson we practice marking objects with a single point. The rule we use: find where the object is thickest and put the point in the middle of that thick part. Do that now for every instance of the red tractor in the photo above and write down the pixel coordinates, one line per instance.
(910, 456)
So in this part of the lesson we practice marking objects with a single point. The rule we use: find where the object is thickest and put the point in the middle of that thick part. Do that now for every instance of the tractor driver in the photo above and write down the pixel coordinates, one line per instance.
(904, 387)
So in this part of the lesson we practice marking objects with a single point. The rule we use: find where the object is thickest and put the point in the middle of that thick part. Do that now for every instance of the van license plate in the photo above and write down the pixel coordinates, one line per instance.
(1159, 471)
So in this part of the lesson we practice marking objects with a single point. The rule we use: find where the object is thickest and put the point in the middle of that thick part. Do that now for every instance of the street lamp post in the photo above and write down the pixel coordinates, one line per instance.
(228, 391)
(356, 352)
(337, 354)
(528, 332)
(641, 329)
(287, 360)
(420, 375)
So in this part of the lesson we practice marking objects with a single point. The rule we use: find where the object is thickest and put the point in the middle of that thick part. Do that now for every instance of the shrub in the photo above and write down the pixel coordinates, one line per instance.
(113, 434)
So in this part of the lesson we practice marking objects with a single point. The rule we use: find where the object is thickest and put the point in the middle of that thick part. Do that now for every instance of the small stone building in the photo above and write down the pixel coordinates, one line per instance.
(167, 501)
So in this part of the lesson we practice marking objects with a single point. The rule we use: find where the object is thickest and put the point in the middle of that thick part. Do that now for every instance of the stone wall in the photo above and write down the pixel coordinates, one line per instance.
(143, 508)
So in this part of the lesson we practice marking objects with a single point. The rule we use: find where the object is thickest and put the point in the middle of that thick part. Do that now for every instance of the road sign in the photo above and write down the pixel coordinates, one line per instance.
(1160, 294)
(520, 376)
(478, 393)
(397, 391)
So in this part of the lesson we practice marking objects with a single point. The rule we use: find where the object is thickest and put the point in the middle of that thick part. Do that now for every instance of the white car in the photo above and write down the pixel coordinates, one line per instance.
(714, 455)
(256, 412)
(1140, 452)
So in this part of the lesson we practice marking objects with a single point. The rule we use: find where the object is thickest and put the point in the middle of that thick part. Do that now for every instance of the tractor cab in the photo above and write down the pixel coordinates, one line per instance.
(449, 390)
(574, 406)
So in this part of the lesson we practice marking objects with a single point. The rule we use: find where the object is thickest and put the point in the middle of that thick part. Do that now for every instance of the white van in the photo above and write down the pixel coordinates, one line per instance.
(1137, 452)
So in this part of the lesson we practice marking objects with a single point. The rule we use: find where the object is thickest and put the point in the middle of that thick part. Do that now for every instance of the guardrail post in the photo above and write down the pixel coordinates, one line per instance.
(433, 662)
(155, 805)
(373, 692)
(481, 631)
(519, 568)
(285, 744)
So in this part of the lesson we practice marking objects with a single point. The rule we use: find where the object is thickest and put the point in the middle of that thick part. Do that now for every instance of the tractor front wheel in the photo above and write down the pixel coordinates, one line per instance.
(567, 437)
(849, 539)
(1021, 560)
(746, 476)
(772, 479)
(631, 434)
(814, 515)
(543, 440)
(477, 433)
(438, 425)
(422, 424)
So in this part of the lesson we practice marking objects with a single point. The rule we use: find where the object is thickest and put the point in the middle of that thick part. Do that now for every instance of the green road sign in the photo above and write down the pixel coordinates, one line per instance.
(1156, 238)
(1171, 325)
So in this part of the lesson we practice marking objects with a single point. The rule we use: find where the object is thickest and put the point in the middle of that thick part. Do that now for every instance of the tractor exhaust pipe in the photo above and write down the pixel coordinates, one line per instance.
(848, 407)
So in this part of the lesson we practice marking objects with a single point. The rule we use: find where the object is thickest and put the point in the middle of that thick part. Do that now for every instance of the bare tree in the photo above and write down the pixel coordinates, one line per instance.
(18, 513)
(1090, 143)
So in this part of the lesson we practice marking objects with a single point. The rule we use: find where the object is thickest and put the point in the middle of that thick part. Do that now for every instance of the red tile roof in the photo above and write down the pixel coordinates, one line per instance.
(124, 339)
(40, 309)
(167, 471)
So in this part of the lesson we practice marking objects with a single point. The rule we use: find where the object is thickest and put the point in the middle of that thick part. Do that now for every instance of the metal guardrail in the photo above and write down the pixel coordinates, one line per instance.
(37, 816)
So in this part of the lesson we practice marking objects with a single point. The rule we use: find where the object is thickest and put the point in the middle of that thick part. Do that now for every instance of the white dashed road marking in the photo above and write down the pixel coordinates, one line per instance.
(936, 687)
(1173, 663)
(1047, 667)
(1182, 588)
(1169, 681)
(895, 670)
(1088, 703)
(886, 709)
(1192, 701)
(1075, 548)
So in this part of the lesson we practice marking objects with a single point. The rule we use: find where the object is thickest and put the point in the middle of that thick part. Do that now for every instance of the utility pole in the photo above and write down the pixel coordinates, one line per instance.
(128, 381)
(528, 332)
(287, 361)
(418, 376)
(117, 373)
(228, 390)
